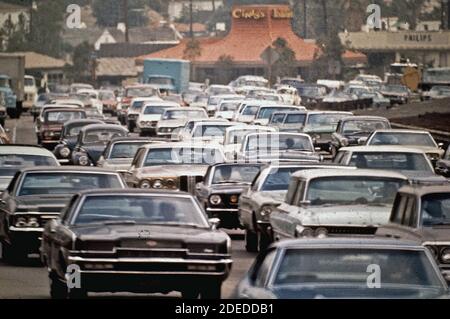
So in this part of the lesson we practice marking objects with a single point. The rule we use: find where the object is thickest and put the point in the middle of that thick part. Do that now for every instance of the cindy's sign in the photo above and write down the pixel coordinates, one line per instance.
(257, 14)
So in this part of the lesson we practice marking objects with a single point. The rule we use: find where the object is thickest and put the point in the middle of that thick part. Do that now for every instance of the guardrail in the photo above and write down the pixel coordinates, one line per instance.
(346, 105)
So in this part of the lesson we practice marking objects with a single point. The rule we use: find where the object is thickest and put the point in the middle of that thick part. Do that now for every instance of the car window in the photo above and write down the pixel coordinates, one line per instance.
(410, 207)
(292, 190)
(400, 209)
(436, 209)
(264, 269)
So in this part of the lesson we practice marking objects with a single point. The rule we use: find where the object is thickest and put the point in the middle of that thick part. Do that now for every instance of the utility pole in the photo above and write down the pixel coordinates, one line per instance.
(305, 20)
(125, 10)
(191, 27)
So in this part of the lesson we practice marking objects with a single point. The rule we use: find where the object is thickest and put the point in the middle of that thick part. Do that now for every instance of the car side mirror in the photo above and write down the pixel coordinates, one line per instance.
(214, 222)
(441, 145)
(198, 186)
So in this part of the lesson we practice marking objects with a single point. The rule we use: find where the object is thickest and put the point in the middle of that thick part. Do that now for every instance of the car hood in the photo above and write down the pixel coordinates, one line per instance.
(95, 151)
(70, 142)
(149, 117)
(321, 129)
(270, 196)
(346, 215)
(173, 170)
(423, 176)
(231, 188)
(435, 233)
(118, 164)
(44, 203)
(172, 123)
(144, 233)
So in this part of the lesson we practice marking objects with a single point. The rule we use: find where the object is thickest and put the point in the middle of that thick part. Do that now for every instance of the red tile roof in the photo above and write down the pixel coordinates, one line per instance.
(247, 39)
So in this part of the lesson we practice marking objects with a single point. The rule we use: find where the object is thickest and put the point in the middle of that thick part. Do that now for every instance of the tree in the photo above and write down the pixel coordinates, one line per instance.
(81, 69)
(285, 65)
(225, 67)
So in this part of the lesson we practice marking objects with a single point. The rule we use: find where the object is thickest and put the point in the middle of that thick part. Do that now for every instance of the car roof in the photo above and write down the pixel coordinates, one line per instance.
(64, 109)
(182, 145)
(402, 131)
(382, 148)
(24, 149)
(348, 242)
(328, 112)
(364, 117)
(103, 126)
(80, 169)
(301, 163)
(310, 174)
(161, 102)
(186, 109)
(424, 189)
(133, 191)
(81, 121)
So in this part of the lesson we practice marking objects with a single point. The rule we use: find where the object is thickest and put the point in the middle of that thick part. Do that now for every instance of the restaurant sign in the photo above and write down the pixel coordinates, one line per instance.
(418, 38)
(256, 14)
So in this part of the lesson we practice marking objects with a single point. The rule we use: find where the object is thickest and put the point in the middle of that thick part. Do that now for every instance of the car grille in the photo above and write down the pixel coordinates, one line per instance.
(151, 253)
(338, 230)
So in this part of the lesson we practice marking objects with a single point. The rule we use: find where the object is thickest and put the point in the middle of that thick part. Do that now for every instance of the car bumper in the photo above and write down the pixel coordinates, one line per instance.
(26, 238)
(147, 274)
(229, 217)
(148, 130)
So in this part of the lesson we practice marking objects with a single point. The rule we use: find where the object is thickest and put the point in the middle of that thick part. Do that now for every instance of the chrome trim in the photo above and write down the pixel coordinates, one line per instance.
(115, 272)
(150, 260)
(26, 229)
(231, 210)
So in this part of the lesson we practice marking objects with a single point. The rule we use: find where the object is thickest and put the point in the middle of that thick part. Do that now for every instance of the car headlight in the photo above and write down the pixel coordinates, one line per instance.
(215, 199)
(64, 152)
(171, 183)
(142, 122)
(234, 199)
(433, 156)
(157, 184)
(33, 222)
(83, 160)
(445, 255)
(304, 231)
(266, 211)
(21, 222)
(145, 184)
(321, 232)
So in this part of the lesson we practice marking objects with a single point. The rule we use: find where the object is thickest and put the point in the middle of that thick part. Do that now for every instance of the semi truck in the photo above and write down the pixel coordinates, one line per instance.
(12, 76)
(168, 75)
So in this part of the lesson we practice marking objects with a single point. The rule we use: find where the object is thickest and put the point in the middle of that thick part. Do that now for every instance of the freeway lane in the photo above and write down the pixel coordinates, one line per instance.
(30, 280)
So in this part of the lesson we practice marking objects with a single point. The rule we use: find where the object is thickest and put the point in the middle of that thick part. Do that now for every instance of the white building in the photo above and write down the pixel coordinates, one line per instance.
(176, 6)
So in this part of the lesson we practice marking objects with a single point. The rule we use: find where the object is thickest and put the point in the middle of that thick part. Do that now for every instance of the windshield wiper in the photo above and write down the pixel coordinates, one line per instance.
(119, 222)
(229, 182)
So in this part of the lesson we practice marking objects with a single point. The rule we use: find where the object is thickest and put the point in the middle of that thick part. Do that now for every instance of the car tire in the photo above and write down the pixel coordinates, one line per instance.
(13, 255)
(58, 290)
(264, 241)
(251, 241)
(190, 293)
(77, 293)
(211, 290)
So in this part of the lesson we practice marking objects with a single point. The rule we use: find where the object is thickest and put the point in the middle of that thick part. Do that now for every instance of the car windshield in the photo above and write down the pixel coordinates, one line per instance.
(237, 136)
(311, 91)
(125, 149)
(73, 130)
(140, 92)
(92, 111)
(278, 179)
(392, 138)
(65, 183)
(295, 119)
(274, 142)
(4, 83)
(61, 117)
(250, 110)
(391, 161)
(183, 114)
(349, 190)
(101, 136)
(29, 82)
(266, 112)
(210, 130)
(228, 106)
(235, 173)
(104, 96)
(436, 209)
(24, 160)
(363, 126)
(160, 209)
(183, 156)
(155, 109)
(395, 88)
(350, 267)
(318, 120)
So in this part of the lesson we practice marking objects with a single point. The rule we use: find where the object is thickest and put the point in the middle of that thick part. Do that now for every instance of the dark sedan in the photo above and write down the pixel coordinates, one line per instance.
(344, 268)
(136, 241)
(92, 141)
(69, 137)
(220, 191)
(53, 120)
(37, 195)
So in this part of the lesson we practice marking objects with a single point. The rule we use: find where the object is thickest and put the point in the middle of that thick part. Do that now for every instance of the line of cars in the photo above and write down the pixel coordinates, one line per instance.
(146, 218)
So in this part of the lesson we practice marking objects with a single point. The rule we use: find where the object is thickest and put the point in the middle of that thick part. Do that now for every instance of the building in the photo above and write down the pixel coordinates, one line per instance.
(175, 7)
(114, 71)
(428, 48)
(44, 67)
(254, 28)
